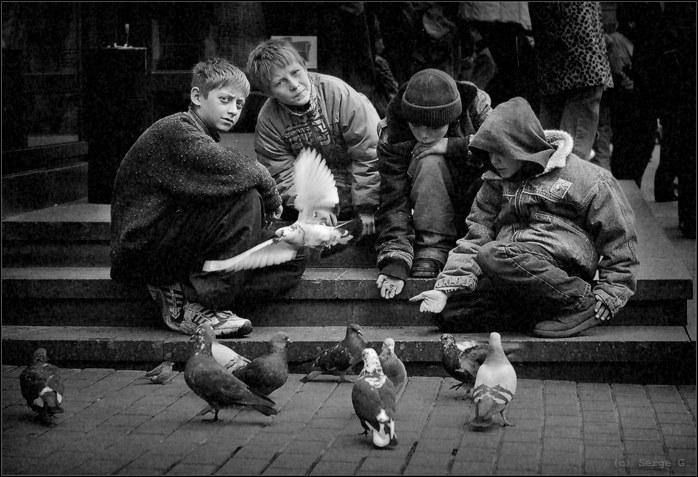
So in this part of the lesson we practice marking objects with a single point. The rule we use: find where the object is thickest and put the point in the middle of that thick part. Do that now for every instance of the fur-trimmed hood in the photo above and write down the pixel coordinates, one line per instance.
(513, 130)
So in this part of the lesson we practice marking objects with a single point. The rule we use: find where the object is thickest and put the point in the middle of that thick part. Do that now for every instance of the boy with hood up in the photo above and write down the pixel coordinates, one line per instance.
(542, 225)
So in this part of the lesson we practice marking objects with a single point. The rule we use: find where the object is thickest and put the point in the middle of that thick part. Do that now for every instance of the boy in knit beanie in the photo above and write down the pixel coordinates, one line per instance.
(428, 176)
(180, 199)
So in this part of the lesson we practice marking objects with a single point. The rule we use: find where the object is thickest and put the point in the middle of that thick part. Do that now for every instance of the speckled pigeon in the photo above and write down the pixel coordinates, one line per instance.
(495, 385)
(41, 384)
(268, 372)
(373, 398)
(462, 359)
(393, 367)
(161, 374)
(214, 384)
(340, 358)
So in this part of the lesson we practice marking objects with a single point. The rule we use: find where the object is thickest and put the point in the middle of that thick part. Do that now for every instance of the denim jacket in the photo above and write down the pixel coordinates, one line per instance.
(574, 209)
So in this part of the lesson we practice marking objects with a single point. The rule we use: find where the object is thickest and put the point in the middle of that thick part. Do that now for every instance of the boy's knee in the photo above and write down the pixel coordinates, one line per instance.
(486, 257)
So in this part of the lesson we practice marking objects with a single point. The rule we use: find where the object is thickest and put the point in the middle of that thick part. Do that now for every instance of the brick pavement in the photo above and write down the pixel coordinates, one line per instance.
(116, 425)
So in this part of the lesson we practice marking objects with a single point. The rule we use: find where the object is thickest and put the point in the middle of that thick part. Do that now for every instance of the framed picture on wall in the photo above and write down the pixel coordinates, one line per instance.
(306, 46)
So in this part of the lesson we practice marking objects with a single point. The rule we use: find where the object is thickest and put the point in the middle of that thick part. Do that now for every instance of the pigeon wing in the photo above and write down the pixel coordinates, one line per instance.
(265, 254)
(315, 185)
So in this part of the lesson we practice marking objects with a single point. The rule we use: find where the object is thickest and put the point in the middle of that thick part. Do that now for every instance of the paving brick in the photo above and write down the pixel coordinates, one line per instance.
(680, 442)
(436, 460)
(562, 444)
(522, 435)
(605, 467)
(601, 427)
(325, 467)
(297, 463)
(641, 434)
(562, 421)
(682, 417)
(192, 469)
(518, 462)
(638, 422)
(472, 468)
(242, 466)
(96, 467)
(562, 432)
(599, 416)
(380, 465)
(608, 451)
(570, 409)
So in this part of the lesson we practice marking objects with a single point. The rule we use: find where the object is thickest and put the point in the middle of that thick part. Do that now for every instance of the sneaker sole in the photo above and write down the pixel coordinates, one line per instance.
(244, 330)
(585, 325)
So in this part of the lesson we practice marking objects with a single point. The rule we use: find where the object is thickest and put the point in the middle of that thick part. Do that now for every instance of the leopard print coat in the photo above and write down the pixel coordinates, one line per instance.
(570, 46)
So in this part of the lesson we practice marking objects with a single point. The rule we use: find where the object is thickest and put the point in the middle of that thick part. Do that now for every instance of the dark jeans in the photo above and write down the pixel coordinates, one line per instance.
(522, 285)
(216, 231)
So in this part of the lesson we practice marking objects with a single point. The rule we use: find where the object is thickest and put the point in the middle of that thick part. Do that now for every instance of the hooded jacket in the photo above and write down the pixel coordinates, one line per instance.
(340, 123)
(394, 218)
(574, 209)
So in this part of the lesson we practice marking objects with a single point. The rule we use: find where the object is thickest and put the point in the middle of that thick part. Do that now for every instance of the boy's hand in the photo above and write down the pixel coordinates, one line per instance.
(368, 223)
(433, 301)
(601, 311)
(390, 286)
(438, 148)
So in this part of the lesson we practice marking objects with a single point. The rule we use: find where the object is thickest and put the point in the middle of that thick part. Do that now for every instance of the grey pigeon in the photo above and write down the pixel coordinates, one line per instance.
(495, 385)
(42, 387)
(393, 367)
(269, 372)
(373, 398)
(161, 374)
(340, 358)
(214, 384)
(462, 359)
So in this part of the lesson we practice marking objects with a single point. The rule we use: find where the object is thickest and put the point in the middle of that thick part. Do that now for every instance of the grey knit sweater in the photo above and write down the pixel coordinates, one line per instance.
(176, 160)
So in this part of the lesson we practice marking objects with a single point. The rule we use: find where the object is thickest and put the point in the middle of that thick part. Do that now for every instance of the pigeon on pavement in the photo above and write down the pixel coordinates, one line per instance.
(373, 398)
(316, 197)
(495, 385)
(462, 359)
(161, 374)
(269, 372)
(340, 358)
(393, 367)
(214, 384)
(42, 387)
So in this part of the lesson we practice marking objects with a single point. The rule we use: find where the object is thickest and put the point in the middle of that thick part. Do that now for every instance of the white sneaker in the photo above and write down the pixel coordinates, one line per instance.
(185, 317)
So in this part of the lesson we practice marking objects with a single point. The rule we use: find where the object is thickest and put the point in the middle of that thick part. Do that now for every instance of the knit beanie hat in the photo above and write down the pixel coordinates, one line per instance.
(431, 99)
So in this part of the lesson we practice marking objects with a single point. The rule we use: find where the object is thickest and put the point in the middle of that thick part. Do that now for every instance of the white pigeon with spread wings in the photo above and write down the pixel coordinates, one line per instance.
(317, 191)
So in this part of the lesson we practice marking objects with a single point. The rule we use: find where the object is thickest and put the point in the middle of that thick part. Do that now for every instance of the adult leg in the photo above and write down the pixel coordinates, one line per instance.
(551, 107)
(580, 118)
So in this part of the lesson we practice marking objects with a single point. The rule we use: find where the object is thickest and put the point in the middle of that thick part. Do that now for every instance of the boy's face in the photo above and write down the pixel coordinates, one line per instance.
(290, 84)
(221, 109)
(506, 167)
(427, 135)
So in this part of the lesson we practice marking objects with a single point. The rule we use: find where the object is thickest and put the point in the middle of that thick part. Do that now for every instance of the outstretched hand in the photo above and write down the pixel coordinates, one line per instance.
(389, 286)
(433, 301)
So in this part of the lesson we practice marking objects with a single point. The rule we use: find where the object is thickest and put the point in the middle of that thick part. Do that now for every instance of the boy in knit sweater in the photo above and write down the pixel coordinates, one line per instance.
(321, 112)
(180, 198)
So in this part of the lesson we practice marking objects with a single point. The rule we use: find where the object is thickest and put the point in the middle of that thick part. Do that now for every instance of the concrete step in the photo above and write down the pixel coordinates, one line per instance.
(86, 296)
(604, 353)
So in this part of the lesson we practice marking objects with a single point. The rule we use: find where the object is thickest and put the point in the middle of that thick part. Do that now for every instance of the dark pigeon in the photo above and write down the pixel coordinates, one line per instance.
(340, 358)
(41, 384)
(269, 372)
(215, 385)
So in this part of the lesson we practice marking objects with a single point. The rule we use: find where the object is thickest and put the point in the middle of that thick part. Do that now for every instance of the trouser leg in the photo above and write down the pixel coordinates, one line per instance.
(534, 274)
(433, 216)
(580, 118)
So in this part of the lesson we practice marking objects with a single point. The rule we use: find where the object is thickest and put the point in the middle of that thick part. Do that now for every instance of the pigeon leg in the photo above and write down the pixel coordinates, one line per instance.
(343, 378)
(214, 418)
